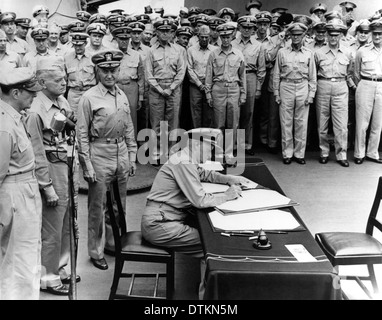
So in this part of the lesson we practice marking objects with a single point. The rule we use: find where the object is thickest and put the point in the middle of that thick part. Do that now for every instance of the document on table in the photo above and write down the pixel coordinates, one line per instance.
(266, 220)
(256, 200)
(220, 188)
(300, 253)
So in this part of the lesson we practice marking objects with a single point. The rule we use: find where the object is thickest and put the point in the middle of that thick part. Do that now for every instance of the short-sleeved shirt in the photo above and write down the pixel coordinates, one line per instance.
(80, 70)
(16, 154)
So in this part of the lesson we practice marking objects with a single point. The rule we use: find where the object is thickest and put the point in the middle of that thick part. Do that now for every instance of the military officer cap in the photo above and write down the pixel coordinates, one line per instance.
(79, 38)
(184, 31)
(110, 58)
(214, 22)
(83, 16)
(225, 29)
(336, 26)
(364, 25)
(279, 10)
(77, 26)
(64, 29)
(185, 22)
(213, 137)
(375, 16)
(264, 16)
(148, 10)
(376, 26)
(117, 11)
(137, 26)
(96, 27)
(183, 10)
(253, 4)
(285, 19)
(274, 24)
(144, 18)
(123, 32)
(209, 12)
(50, 63)
(169, 14)
(117, 20)
(194, 11)
(348, 5)
(308, 21)
(297, 28)
(163, 24)
(202, 18)
(23, 78)
(23, 22)
(318, 6)
(39, 9)
(174, 25)
(40, 33)
(97, 17)
(332, 15)
(226, 11)
(319, 26)
(247, 21)
(6, 17)
(130, 19)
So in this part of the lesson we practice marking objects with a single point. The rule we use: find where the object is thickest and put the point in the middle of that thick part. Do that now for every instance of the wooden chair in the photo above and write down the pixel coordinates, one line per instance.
(353, 248)
(130, 246)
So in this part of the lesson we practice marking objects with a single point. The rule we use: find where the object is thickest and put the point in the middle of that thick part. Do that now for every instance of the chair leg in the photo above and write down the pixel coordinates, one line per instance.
(117, 275)
(370, 267)
(170, 278)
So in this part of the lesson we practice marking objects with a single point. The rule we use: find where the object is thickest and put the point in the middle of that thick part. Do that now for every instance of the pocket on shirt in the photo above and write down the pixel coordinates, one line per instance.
(303, 65)
(22, 144)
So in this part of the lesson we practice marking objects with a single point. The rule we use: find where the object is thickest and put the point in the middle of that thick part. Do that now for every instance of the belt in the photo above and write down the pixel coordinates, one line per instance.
(372, 79)
(293, 80)
(107, 140)
(19, 177)
(250, 71)
(334, 79)
(157, 204)
(81, 88)
(228, 83)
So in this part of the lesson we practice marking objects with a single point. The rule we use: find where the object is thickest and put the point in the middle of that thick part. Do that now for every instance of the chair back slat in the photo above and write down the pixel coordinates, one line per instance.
(373, 221)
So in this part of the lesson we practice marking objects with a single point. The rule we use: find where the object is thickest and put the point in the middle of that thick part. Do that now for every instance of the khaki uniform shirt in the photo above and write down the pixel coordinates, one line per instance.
(80, 71)
(226, 67)
(165, 62)
(11, 59)
(295, 64)
(143, 50)
(31, 58)
(18, 45)
(197, 63)
(98, 118)
(16, 154)
(368, 63)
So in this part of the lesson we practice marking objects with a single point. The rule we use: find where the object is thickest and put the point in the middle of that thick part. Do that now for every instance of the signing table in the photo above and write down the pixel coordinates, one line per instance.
(238, 271)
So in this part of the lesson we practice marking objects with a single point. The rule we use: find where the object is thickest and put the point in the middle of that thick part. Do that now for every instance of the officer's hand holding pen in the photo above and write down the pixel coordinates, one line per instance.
(233, 192)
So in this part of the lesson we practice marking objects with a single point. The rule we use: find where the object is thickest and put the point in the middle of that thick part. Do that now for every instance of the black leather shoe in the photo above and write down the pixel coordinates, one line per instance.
(287, 160)
(300, 160)
(250, 152)
(67, 280)
(60, 290)
(343, 163)
(358, 160)
(324, 160)
(374, 160)
(100, 263)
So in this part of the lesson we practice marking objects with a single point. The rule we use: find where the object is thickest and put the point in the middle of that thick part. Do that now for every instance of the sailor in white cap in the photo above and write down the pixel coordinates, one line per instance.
(107, 149)
(20, 200)
(52, 173)
(96, 32)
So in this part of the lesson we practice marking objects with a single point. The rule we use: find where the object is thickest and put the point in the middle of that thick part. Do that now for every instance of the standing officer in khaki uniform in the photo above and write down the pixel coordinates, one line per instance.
(294, 85)
(8, 58)
(368, 77)
(255, 73)
(79, 69)
(96, 32)
(226, 87)
(165, 71)
(333, 63)
(107, 149)
(20, 200)
(131, 75)
(52, 173)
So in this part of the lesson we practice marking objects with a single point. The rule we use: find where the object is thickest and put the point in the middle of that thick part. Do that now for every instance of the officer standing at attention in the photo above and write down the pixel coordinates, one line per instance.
(79, 69)
(9, 58)
(96, 32)
(20, 200)
(226, 87)
(368, 77)
(136, 39)
(107, 149)
(294, 84)
(165, 71)
(52, 173)
(197, 57)
(255, 72)
(333, 63)
(131, 75)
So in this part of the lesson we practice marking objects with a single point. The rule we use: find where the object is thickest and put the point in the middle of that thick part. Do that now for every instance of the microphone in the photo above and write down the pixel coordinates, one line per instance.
(60, 122)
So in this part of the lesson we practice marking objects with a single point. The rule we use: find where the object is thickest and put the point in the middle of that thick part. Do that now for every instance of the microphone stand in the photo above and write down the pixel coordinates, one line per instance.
(72, 218)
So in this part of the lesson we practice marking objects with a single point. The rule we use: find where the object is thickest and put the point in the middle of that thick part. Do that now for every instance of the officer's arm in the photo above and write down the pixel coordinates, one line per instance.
(141, 79)
(357, 67)
(209, 77)
(130, 140)
(35, 128)
(312, 78)
(149, 73)
(350, 73)
(180, 71)
(243, 81)
(191, 71)
(261, 69)
(276, 76)
(5, 154)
